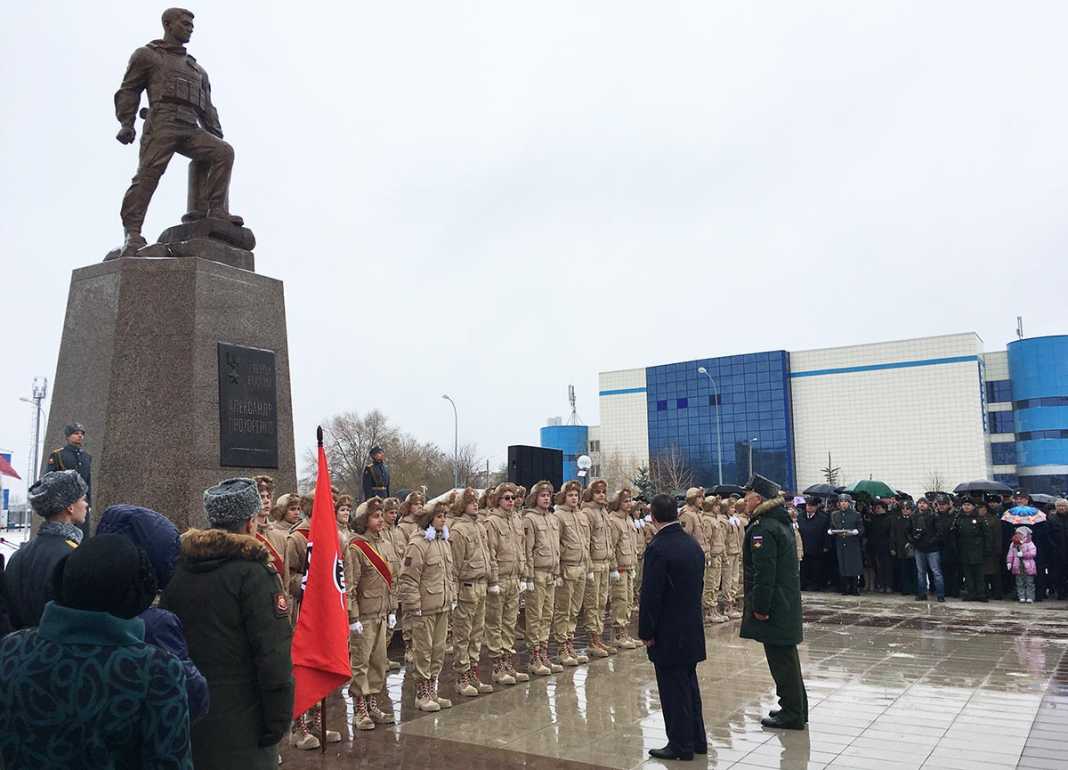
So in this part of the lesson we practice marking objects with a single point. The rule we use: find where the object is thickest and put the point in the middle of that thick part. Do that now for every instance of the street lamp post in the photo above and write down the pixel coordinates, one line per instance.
(719, 431)
(455, 441)
(752, 441)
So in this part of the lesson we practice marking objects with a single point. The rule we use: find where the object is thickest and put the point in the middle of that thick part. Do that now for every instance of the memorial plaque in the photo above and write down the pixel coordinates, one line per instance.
(248, 407)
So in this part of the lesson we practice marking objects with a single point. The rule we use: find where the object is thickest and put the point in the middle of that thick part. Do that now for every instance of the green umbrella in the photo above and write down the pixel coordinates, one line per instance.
(872, 489)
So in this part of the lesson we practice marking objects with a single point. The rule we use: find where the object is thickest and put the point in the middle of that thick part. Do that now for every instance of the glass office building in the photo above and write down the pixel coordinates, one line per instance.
(920, 414)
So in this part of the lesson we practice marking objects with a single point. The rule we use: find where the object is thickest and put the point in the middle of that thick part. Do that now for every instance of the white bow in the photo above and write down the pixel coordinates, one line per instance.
(430, 533)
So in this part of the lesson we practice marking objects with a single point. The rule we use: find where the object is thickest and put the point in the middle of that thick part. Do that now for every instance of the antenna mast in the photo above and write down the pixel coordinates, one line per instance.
(574, 418)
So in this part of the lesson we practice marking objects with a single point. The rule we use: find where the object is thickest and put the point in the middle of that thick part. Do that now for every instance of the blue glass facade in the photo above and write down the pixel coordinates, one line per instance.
(754, 403)
(1038, 368)
(571, 440)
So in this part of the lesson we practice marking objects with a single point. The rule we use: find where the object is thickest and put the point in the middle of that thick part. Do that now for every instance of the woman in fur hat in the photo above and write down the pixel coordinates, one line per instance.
(390, 532)
(574, 571)
(427, 591)
(626, 559)
(369, 581)
(343, 512)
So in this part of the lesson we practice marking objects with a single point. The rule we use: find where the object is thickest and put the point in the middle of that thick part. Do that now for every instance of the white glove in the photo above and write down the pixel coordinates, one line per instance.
(589, 576)
(614, 576)
(854, 531)
(453, 606)
(830, 531)
(522, 586)
(493, 589)
(648, 518)
(445, 532)
(430, 533)
(356, 628)
(391, 623)
(559, 582)
(530, 587)
(734, 521)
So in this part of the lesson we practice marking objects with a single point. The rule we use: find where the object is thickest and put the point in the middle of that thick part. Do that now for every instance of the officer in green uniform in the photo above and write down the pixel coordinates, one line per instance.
(773, 599)
(974, 545)
(994, 563)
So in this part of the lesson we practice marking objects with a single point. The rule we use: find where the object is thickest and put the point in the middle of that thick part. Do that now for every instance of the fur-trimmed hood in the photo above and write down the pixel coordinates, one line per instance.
(768, 505)
(204, 545)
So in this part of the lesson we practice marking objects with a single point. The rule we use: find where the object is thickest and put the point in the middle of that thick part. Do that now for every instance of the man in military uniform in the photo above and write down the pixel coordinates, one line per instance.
(180, 118)
(73, 458)
(376, 475)
(974, 545)
(994, 564)
(773, 599)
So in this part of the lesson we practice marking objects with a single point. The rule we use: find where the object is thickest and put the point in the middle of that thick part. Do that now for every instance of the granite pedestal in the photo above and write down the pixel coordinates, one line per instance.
(139, 367)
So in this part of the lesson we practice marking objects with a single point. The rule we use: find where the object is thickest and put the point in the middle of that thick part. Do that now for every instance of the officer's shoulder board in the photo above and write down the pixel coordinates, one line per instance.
(72, 543)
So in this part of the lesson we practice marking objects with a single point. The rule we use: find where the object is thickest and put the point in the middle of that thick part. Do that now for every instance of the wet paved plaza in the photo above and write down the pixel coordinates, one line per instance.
(892, 684)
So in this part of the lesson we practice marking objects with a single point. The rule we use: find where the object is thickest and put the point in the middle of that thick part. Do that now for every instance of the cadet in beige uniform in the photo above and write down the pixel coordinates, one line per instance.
(574, 568)
(343, 512)
(507, 560)
(427, 592)
(392, 533)
(622, 531)
(739, 577)
(690, 515)
(602, 566)
(643, 533)
(732, 558)
(369, 581)
(471, 558)
(541, 542)
(715, 526)
(409, 514)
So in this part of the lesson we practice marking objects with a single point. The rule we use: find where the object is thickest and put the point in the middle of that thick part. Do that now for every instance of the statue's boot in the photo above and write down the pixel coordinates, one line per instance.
(226, 216)
(134, 241)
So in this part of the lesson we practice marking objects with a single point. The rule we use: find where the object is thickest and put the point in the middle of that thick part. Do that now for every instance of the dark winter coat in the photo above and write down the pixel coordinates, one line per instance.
(5, 616)
(848, 548)
(28, 576)
(83, 690)
(974, 543)
(877, 534)
(994, 562)
(236, 620)
(772, 577)
(946, 523)
(924, 534)
(1058, 538)
(814, 535)
(164, 630)
(670, 609)
(900, 524)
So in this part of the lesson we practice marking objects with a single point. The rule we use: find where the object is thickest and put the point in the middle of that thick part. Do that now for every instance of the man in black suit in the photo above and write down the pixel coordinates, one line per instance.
(671, 626)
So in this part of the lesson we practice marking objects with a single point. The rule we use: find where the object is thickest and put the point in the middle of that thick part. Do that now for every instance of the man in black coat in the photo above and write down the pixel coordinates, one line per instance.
(813, 524)
(73, 457)
(671, 626)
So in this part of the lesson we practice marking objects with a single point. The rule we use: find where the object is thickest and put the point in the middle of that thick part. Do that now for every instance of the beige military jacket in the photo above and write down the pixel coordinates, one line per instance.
(621, 527)
(735, 536)
(370, 596)
(397, 544)
(470, 554)
(541, 542)
(504, 540)
(296, 557)
(716, 530)
(574, 539)
(406, 527)
(690, 519)
(427, 584)
(601, 549)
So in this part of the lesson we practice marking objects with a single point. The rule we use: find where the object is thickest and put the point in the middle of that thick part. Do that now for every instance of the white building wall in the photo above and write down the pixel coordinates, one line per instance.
(905, 422)
(624, 429)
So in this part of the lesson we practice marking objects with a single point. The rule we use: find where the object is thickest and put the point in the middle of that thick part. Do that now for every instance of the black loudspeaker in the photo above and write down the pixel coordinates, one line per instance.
(527, 465)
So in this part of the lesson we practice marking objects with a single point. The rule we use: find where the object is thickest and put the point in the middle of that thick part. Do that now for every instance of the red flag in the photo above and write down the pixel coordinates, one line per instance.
(6, 469)
(321, 639)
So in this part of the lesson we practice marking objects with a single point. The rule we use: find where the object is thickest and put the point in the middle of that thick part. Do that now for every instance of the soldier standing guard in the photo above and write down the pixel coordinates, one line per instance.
(716, 530)
(574, 569)
(180, 118)
(626, 557)
(376, 475)
(73, 458)
(690, 515)
(602, 566)
(541, 543)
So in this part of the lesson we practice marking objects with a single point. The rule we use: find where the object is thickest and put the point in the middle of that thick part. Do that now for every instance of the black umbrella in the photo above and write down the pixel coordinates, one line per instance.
(726, 490)
(1043, 499)
(821, 490)
(982, 485)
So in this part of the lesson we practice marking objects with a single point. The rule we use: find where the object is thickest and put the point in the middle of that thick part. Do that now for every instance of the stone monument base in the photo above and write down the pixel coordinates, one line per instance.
(139, 366)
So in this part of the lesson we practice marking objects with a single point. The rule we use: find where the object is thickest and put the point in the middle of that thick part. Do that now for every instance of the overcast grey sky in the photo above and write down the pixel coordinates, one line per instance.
(497, 199)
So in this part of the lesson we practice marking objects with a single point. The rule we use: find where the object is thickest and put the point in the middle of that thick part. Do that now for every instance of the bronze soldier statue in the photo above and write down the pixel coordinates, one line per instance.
(180, 118)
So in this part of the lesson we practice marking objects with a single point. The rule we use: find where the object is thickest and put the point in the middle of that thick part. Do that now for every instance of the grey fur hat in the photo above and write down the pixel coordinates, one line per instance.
(55, 491)
(232, 501)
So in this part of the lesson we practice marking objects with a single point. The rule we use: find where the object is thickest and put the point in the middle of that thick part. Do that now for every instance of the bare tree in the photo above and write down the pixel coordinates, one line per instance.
(671, 471)
(618, 470)
(935, 482)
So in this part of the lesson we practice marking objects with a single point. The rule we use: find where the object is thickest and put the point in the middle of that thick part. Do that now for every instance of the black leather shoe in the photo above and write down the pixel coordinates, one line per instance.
(669, 752)
(780, 724)
(701, 750)
(774, 713)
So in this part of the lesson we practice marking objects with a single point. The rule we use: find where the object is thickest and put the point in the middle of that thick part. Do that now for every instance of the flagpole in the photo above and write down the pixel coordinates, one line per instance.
(322, 723)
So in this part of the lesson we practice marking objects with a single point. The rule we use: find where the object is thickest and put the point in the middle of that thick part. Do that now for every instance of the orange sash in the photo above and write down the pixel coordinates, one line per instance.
(376, 559)
(276, 558)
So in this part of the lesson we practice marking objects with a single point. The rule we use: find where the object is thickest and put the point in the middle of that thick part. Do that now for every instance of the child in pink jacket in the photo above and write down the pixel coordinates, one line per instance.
(1021, 563)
